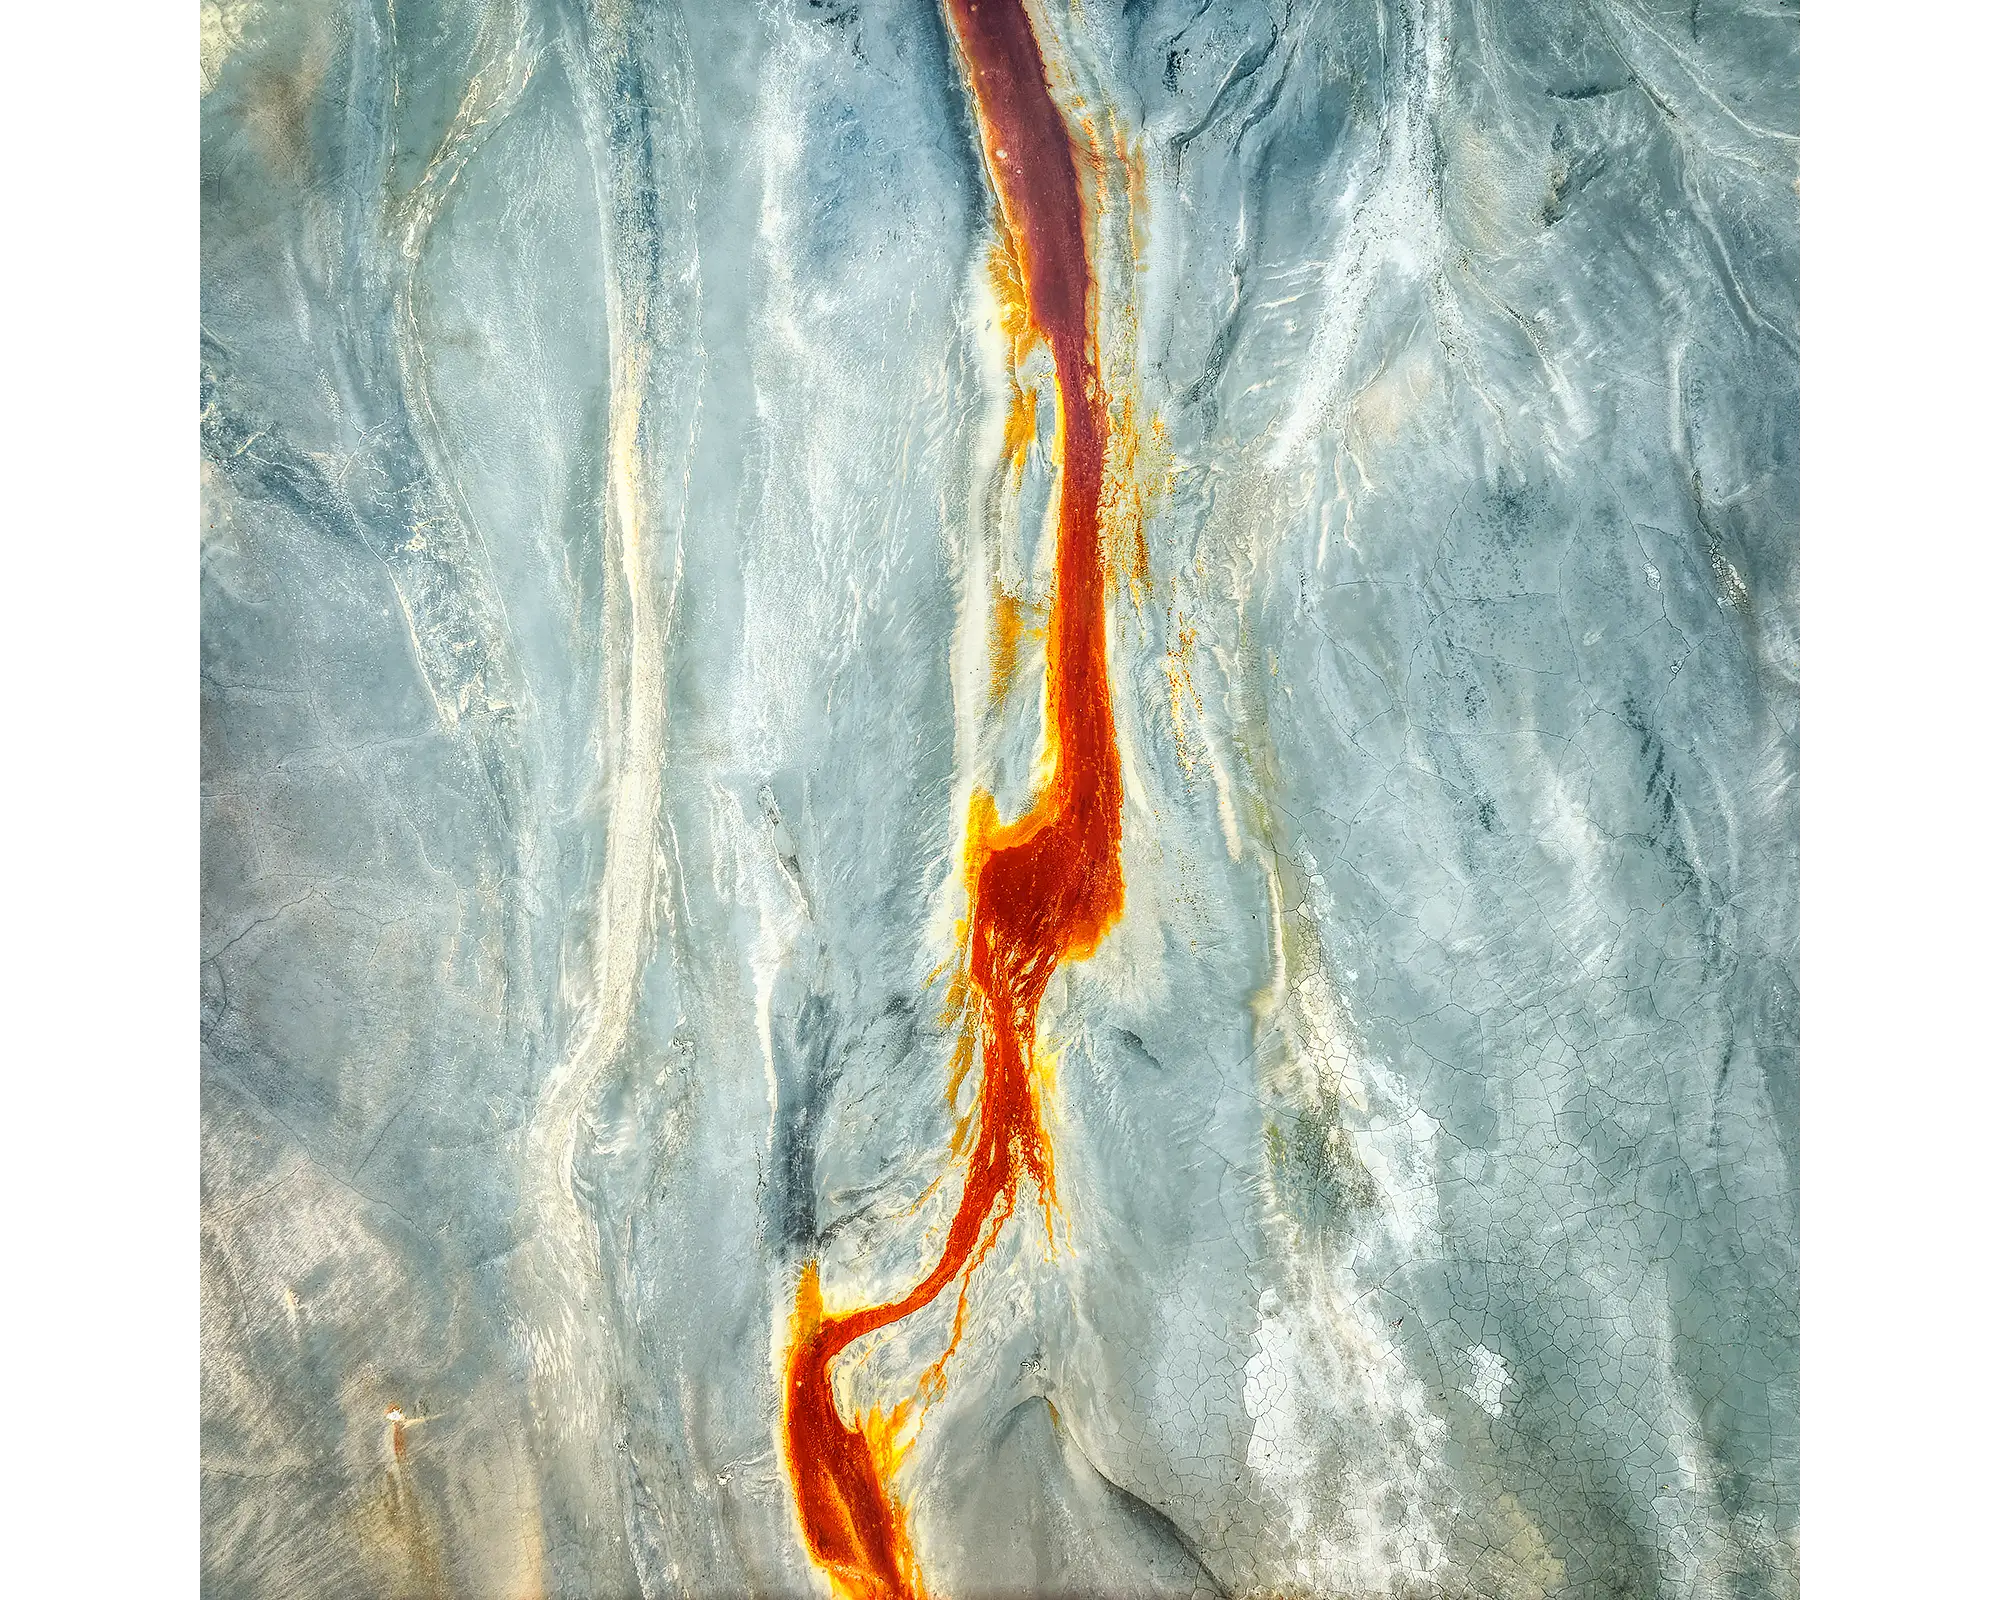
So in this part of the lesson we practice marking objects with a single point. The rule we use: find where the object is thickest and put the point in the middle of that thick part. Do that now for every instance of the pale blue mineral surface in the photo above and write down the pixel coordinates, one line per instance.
(605, 505)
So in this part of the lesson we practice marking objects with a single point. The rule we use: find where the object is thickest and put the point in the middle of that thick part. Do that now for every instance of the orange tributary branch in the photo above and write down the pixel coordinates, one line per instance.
(1044, 888)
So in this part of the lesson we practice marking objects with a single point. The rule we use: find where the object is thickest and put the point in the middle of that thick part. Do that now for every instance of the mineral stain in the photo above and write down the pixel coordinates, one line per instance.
(1044, 888)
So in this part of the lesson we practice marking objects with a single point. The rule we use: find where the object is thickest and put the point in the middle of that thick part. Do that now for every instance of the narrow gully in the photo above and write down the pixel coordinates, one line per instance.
(1046, 887)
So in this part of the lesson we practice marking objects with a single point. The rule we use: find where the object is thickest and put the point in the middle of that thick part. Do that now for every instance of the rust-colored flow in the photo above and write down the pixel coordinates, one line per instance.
(1044, 888)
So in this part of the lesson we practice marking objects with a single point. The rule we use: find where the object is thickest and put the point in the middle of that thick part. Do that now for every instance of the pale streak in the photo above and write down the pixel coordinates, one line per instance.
(635, 730)
(1395, 220)
(643, 314)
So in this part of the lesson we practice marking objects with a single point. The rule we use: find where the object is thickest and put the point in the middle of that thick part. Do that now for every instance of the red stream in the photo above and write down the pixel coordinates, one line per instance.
(1046, 887)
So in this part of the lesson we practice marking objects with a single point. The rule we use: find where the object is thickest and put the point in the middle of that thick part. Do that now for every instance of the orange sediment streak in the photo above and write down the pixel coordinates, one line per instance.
(1044, 888)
